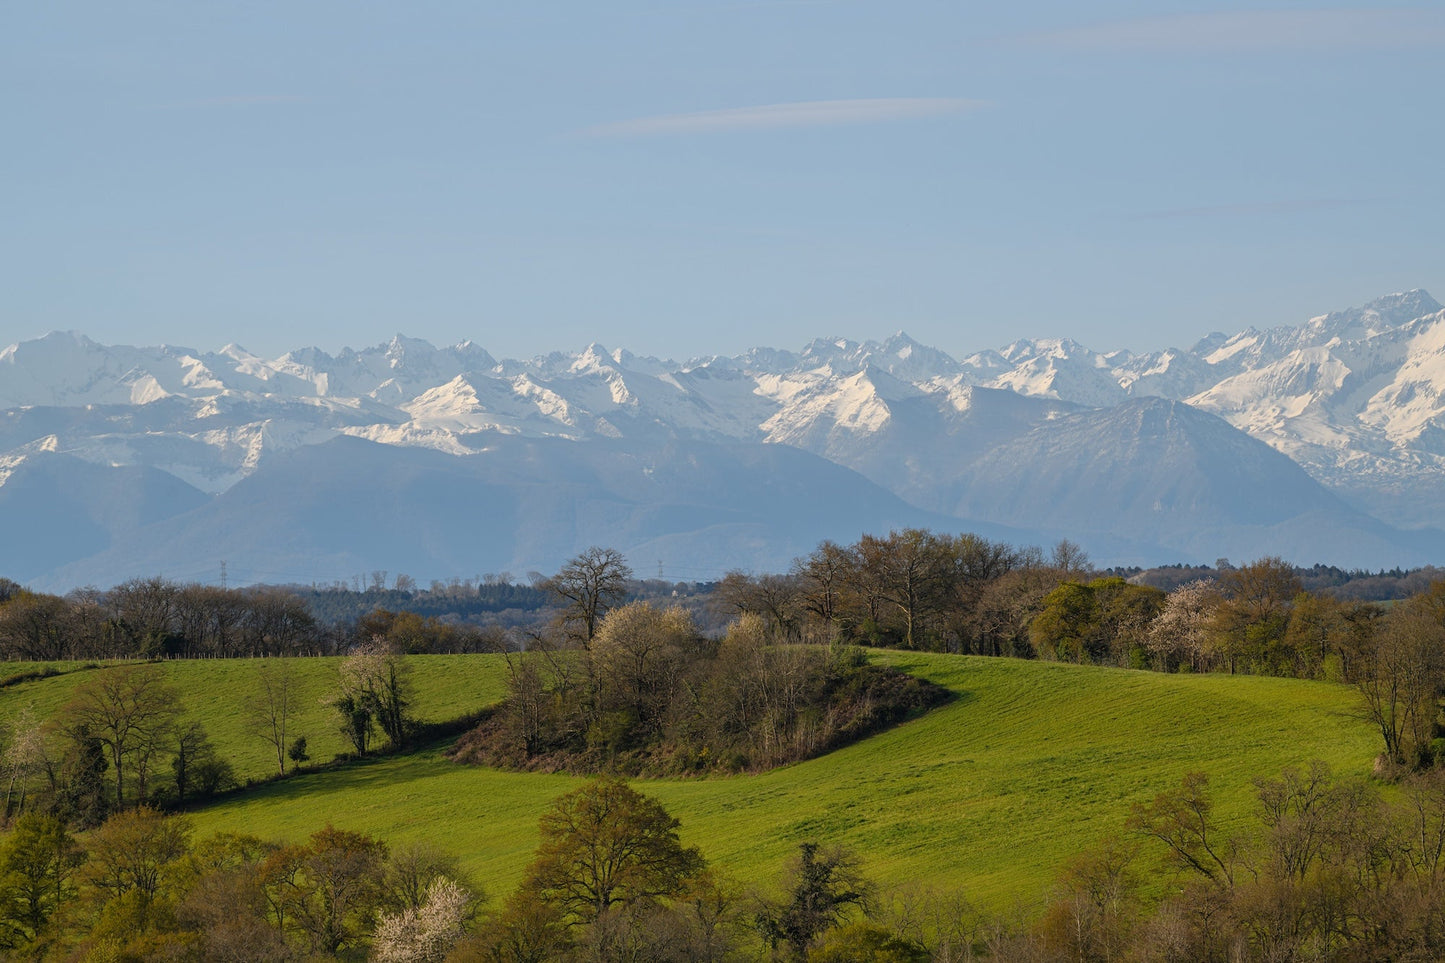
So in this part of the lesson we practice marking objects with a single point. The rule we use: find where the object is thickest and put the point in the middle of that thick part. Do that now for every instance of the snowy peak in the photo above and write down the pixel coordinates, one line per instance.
(402, 349)
(905, 358)
(594, 359)
(898, 355)
(1061, 369)
(1369, 320)
(1171, 373)
(1356, 397)
(830, 411)
(1400, 308)
(838, 354)
(1024, 350)
(769, 360)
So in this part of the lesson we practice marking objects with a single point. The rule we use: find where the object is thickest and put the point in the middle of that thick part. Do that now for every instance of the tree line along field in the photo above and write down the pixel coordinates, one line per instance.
(989, 794)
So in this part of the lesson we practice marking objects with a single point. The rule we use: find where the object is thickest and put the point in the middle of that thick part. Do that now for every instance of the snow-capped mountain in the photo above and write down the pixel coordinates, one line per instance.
(1355, 398)
(1151, 477)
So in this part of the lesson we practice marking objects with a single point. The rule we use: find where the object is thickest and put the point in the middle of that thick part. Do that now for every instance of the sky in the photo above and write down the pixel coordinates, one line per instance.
(684, 178)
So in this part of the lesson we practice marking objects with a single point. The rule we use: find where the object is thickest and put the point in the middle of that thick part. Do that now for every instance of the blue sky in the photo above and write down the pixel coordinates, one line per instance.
(686, 178)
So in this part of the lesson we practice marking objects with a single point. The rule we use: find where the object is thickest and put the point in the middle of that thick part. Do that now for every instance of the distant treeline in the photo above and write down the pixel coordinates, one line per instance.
(1358, 584)
(476, 603)
(482, 602)
(158, 618)
(148, 618)
(911, 589)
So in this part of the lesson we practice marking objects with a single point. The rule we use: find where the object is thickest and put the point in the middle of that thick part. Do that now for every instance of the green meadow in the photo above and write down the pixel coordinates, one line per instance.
(217, 693)
(1029, 764)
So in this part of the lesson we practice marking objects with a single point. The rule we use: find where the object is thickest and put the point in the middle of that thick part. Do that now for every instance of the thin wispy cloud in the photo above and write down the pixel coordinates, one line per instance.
(241, 100)
(811, 113)
(1253, 208)
(1257, 30)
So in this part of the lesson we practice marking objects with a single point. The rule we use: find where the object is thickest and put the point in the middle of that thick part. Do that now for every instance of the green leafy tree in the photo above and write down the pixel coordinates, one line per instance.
(524, 930)
(356, 722)
(1250, 622)
(77, 783)
(329, 889)
(224, 911)
(133, 858)
(1067, 626)
(1125, 613)
(603, 845)
(38, 862)
(198, 769)
(865, 942)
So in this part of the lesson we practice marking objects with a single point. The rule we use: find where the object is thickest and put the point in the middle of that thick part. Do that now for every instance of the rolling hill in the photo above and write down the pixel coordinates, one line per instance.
(989, 794)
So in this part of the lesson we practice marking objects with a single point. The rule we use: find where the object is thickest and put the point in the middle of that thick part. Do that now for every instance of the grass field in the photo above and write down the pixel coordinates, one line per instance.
(216, 692)
(991, 793)
(1029, 764)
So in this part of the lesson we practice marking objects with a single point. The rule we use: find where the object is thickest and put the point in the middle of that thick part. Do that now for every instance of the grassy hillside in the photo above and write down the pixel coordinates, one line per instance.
(216, 692)
(989, 794)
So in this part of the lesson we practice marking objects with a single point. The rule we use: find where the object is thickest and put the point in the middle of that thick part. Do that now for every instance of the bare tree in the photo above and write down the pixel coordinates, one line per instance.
(773, 598)
(907, 571)
(1070, 559)
(637, 657)
(131, 710)
(34, 626)
(412, 870)
(146, 610)
(213, 618)
(277, 623)
(273, 706)
(589, 585)
(822, 579)
(1402, 675)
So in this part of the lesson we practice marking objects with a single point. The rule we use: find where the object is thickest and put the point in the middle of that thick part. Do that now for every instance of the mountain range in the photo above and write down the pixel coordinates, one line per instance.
(1321, 442)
